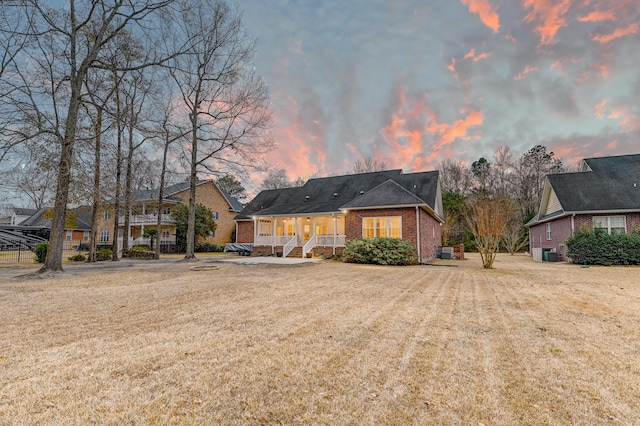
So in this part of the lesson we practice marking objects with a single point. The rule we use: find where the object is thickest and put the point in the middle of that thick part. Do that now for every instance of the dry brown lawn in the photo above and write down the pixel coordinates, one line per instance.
(328, 343)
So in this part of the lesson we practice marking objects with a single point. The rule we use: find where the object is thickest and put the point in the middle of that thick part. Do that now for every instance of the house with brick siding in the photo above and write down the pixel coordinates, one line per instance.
(320, 216)
(143, 213)
(603, 194)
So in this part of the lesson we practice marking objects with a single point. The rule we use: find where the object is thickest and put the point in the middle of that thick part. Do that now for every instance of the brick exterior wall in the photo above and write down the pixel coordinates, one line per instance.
(430, 230)
(561, 231)
(209, 195)
(245, 231)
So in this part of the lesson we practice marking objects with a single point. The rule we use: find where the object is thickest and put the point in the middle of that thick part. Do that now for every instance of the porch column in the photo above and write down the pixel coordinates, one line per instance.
(296, 233)
(273, 236)
(335, 231)
(255, 229)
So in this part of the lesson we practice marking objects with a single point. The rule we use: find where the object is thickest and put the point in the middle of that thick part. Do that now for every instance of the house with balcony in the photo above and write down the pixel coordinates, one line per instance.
(143, 213)
(320, 216)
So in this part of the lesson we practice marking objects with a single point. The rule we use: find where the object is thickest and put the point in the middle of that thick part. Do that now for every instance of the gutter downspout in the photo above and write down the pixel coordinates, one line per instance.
(418, 233)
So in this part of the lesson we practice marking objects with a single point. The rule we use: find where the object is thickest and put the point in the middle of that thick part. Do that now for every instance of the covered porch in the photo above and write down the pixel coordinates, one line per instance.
(304, 233)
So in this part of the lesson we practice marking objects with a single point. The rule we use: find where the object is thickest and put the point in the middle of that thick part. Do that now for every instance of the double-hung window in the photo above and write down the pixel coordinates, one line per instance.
(610, 224)
(104, 236)
(382, 227)
(548, 231)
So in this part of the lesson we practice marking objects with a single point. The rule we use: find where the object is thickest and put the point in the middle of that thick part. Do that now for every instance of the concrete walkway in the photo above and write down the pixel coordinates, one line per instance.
(265, 260)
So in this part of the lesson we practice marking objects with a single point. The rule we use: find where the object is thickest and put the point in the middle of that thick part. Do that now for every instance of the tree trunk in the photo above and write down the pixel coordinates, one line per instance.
(191, 223)
(96, 188)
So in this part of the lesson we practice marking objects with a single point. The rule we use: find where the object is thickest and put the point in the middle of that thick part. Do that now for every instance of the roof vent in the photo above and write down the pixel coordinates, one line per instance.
(415, 186)
(361, 192)
(335, 195)
(306, 198)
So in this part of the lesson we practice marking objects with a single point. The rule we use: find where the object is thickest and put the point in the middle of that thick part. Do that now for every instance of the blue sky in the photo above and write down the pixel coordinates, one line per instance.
(412, 83)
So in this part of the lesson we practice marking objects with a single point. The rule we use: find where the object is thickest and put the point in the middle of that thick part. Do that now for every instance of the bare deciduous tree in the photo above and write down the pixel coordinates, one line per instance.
(488, 219)
(226, 103)
(48, 78)
(368, 165)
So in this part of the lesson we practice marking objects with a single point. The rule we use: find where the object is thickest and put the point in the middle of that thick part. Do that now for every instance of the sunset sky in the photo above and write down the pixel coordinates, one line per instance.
(414, 82)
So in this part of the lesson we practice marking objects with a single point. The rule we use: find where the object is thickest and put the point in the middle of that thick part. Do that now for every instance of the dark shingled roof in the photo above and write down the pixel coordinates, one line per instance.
(83, 222)
(609, 186)
(331, 194)
(152, 194)
(386, 194)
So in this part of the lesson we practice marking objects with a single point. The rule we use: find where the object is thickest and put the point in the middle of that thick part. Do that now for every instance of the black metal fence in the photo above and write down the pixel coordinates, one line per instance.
(22, 254)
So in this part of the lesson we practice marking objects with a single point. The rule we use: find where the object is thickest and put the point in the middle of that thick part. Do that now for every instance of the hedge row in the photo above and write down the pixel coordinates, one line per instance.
(599, 248)
(380, 251)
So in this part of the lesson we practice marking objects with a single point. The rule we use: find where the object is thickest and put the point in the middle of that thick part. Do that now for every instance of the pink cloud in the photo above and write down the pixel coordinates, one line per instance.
(618, 33)
(528, 69)
(599, 16)
(416, 139)
(486, 11)
(549, 16)
(599, 110)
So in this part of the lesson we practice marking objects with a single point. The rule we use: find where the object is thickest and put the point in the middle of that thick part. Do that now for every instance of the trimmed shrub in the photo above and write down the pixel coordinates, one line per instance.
(208, 248)
(380, 251)
(40, 251)
(139, 254)
(599, 248)
(104, 253)
(78, 258)
(141, 247)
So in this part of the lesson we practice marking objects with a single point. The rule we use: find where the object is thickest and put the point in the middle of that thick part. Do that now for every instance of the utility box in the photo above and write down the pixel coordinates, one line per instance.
(447, 252)
(550, 256)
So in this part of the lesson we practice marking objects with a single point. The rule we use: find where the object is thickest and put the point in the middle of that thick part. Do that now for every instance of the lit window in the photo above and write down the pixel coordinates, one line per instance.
(610, 224)
(382, 227)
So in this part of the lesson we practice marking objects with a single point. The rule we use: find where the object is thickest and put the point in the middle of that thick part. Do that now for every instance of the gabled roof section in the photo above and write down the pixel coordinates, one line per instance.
(606, 184)
(83, 220)
(387, 194)
(171, 190)
(330, 194)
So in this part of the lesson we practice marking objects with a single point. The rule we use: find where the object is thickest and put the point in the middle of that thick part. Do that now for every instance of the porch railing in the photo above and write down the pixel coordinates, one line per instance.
(328, 240)
(289, 246)
(269, 240)
(309, 246)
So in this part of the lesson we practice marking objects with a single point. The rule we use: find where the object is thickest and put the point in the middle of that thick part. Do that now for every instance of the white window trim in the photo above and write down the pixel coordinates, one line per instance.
(104, 236)
(388, 227)
(608, 218)
(548, 231)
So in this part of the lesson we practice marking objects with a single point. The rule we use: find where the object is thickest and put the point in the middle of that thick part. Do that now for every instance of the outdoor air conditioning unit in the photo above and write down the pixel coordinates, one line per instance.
(447, 252)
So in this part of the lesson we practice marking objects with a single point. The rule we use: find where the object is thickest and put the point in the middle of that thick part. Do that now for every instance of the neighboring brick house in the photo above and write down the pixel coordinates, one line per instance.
(80, 234)
(321, 215)
(143, 214)
(604, 194)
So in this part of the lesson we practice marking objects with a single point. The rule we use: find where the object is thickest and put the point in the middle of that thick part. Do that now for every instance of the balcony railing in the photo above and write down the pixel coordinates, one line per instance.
(147, 219)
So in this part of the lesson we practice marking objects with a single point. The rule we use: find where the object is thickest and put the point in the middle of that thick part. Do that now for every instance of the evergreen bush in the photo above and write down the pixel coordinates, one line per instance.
(104, 253)
(599, 248)
(208, 248)
(78, 258)
(380, 251)
(40, 251)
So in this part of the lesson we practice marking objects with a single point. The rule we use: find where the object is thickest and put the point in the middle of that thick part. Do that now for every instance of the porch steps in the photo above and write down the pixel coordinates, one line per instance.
(296, 252)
